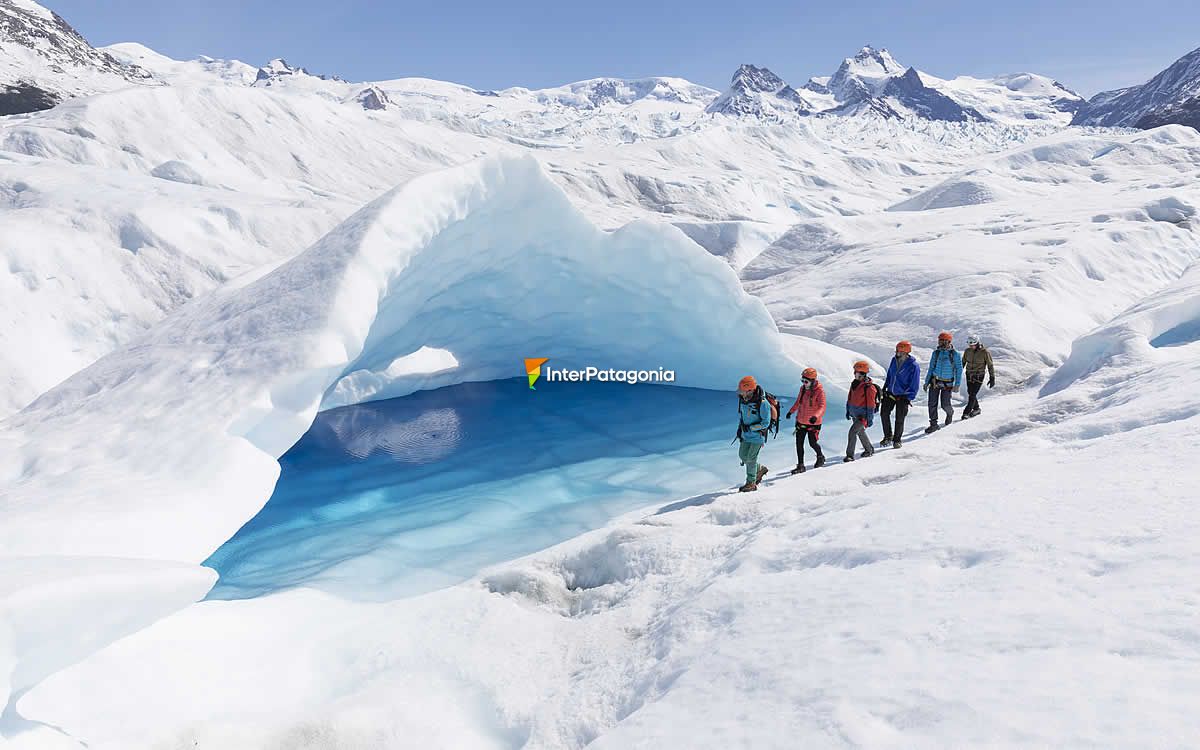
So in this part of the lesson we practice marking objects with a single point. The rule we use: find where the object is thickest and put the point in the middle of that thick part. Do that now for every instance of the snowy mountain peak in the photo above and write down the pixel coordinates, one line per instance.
(871, 61)
(864, 75)
(596, 93)
(752, 78)
(278, 70)
(759, 92)
(373, 97)
(1172, 96)
(43, 60)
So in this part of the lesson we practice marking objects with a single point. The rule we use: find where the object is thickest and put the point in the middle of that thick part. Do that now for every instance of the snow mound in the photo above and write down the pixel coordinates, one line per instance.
(950, 194)
(1166, 320)
(178, 171)
(1170, 209)
(487, 261)
(56, 610)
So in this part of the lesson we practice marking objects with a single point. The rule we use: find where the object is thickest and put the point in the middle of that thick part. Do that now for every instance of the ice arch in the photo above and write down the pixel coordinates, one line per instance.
(487, 261)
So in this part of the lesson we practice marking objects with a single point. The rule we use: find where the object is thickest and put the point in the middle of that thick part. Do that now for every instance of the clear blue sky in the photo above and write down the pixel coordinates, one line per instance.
(1088, 46)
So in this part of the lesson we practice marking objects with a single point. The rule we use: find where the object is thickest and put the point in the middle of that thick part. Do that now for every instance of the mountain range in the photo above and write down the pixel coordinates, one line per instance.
(1171, 97)
(44, 61)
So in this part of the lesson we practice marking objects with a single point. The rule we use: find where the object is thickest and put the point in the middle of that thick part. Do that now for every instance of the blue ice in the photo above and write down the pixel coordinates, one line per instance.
(398, 497)
(1181, 335)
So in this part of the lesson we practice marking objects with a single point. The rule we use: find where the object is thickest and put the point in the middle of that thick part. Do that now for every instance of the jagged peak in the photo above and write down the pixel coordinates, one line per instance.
(754, 78)
(869, 61)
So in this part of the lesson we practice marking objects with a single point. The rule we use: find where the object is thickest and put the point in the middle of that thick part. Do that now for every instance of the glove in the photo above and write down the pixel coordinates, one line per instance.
(992, 383)
(927, 385)
(848, 417)
(789, 414)
(812, 420)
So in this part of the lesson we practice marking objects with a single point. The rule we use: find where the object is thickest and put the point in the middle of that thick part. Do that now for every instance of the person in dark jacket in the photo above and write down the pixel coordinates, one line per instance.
(943, 379)
(809, 409)
(899, 389)
(861, 404)
(976, 361)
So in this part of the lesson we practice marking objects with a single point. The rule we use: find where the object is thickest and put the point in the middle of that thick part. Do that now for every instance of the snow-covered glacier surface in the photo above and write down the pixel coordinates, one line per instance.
(488, 262)
(1024, 579)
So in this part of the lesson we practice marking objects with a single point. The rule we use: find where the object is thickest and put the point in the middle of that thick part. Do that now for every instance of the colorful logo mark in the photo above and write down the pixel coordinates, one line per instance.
(533, 369)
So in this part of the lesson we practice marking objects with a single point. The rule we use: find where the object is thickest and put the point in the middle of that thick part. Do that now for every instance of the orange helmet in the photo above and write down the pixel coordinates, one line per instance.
(747, 383)
(810, 373)
(862, 366)
(904, 346)
(945, 336)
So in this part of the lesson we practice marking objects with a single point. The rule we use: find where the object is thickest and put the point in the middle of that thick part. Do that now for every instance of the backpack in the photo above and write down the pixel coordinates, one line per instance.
(773, 427)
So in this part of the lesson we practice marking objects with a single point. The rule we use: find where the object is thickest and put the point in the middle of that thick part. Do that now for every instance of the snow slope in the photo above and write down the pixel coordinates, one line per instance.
(923, 598)
(1030, 248)
(183, 72)
(122, 207)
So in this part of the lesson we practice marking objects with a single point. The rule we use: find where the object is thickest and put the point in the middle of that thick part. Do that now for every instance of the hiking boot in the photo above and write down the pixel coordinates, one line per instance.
(848, 459)
(820, 462)
(933, 427)
(748, 487)
(762, 472)
(868, 454)
(896, 443)
(887, 440)
(949, 419)
(799, 469)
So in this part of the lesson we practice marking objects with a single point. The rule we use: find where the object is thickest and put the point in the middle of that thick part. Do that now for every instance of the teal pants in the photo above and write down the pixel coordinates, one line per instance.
(748, 453)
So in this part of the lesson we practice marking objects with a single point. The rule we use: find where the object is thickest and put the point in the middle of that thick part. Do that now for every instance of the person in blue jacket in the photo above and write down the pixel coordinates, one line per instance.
(899, 389)
(754, 418)
(943, 379)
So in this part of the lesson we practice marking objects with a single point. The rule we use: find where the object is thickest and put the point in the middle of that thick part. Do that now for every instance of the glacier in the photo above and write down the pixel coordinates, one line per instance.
(231, 345)
(229, 382)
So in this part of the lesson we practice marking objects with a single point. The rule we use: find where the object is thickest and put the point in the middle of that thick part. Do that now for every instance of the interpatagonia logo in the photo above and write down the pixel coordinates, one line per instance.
(533, 369)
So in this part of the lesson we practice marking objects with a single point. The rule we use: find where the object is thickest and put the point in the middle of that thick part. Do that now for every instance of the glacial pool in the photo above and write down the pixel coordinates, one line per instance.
(395, 498)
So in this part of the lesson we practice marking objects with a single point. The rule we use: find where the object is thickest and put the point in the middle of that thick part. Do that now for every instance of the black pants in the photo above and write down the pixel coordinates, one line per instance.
(973, 387)
(936, 394)
(900, 404)
(814, 432)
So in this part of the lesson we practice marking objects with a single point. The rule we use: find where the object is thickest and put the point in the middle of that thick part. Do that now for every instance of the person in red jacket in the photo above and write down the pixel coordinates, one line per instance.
(862, 403)
(809, 409)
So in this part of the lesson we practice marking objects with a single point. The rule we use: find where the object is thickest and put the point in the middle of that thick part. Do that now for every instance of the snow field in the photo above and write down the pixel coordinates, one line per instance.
(920, 598)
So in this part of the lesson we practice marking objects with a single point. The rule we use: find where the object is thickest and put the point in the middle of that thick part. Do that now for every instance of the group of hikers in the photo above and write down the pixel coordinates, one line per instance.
(758, 410)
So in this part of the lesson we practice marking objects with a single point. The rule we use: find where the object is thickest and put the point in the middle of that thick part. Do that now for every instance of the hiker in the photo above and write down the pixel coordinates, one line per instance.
(758, 411)
(976, 360)
(809, 409)
(943, 379)
(861, 404)
(899, 389)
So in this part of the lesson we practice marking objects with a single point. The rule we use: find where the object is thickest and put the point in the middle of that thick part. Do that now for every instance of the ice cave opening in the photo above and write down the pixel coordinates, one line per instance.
(397, 497)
